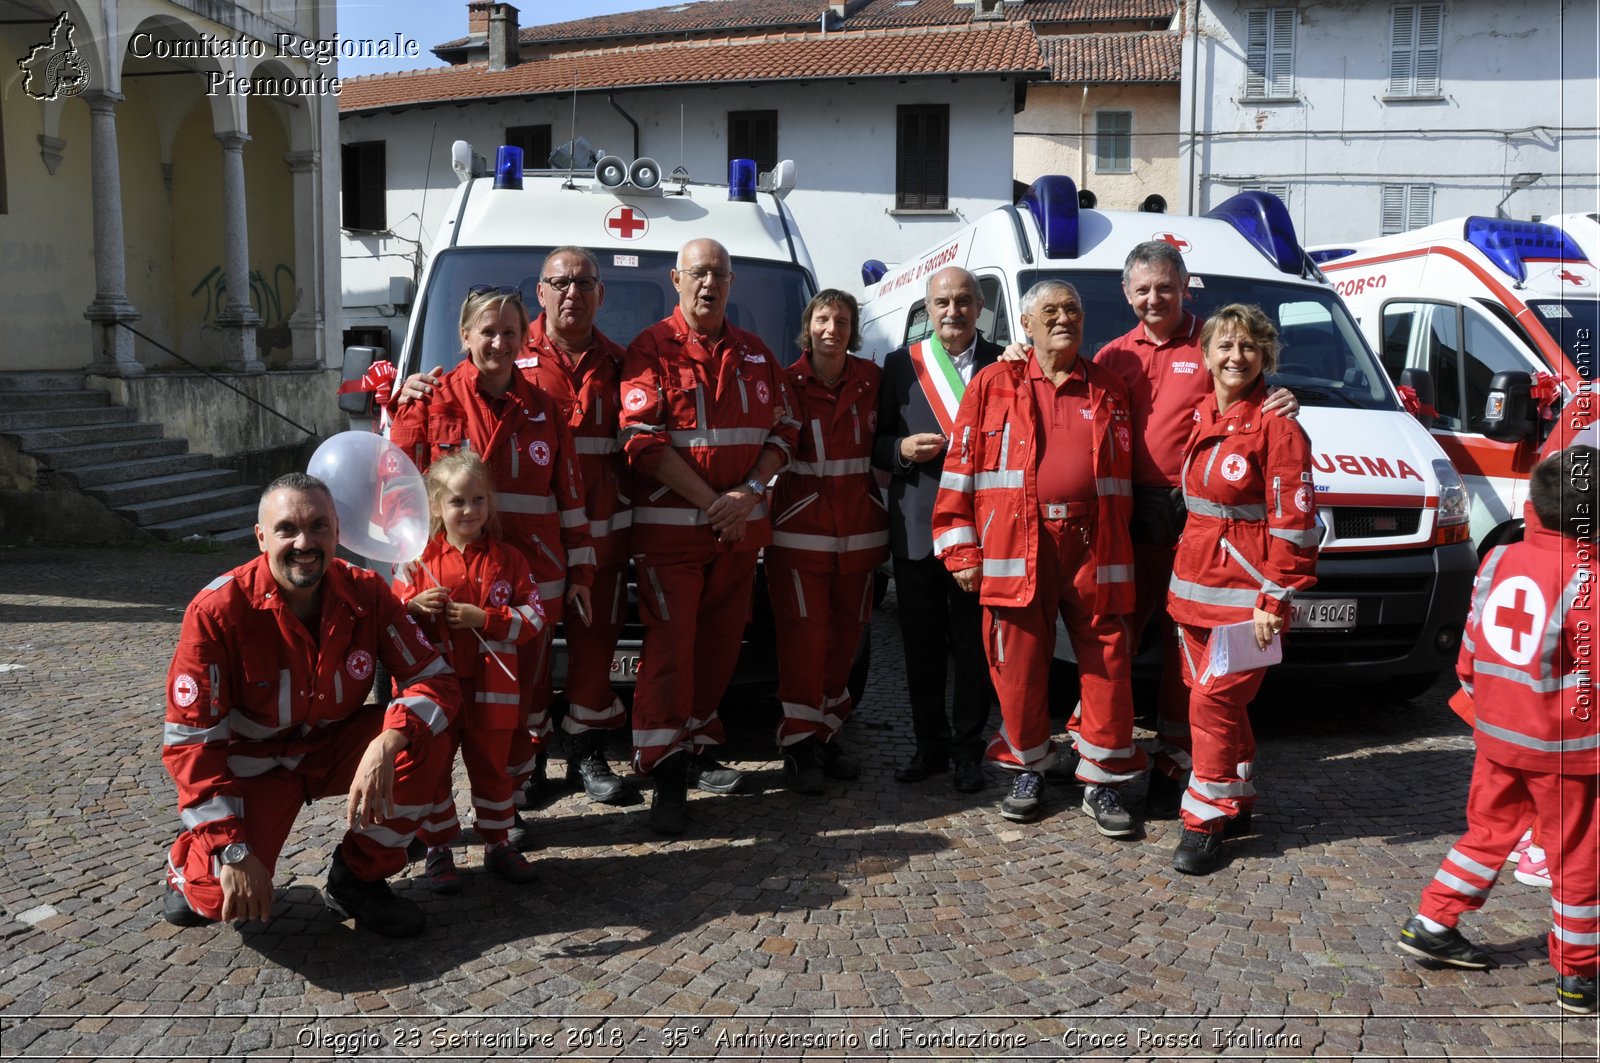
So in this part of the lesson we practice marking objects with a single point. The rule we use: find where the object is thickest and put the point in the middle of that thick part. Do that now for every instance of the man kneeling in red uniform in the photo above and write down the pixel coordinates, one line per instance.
(266, 709)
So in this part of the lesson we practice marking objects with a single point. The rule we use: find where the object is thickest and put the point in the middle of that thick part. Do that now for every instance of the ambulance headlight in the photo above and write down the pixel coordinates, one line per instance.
(1454, 514)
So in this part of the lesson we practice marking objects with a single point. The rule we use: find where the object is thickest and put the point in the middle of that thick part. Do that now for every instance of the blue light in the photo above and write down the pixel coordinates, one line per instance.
(1053, 202)
(1508, 243)
(508, 168)
(1261, 218)
(1329, 254)
(872, 271)
(742, 180)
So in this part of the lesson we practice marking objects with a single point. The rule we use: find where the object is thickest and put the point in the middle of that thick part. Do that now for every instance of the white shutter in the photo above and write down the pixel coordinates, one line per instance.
(1280, 66)
(1430, 23)
(1255, 37)
(1402, 49)
(1394, 210)
(1419, 206)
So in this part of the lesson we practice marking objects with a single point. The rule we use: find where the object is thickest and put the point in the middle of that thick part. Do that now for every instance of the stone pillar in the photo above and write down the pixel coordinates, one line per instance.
(305, 324)
(113, 345)
(237, 319)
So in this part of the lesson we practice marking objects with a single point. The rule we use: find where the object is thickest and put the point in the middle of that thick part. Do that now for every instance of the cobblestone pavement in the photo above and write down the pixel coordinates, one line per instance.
(880, 921)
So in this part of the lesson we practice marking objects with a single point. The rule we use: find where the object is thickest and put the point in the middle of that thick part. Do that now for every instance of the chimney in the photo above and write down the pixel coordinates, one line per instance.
(478, 17)
(988, 10)
(502, 36)
(840, 9)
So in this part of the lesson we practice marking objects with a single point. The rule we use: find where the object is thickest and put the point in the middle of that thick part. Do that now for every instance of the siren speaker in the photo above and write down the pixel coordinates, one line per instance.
(644, 173)
(611, 172)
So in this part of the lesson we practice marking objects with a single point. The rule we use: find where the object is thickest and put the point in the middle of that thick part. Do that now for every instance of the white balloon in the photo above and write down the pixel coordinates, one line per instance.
(379, 495)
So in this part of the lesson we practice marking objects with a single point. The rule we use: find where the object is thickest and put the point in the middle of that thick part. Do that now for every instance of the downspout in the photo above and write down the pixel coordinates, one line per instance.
(1083, 141)
(1194, 104)
(612, 100)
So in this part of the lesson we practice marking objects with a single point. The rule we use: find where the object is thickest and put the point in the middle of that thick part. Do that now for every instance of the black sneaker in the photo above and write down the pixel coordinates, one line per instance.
(587, 768)
(1198, 852)
(1446, 946)
(1165, 796)
(1237, 826)
(837, 764)
(706, 773)
(521, 834)
(802, 770)
(175, 910)
(1575, 993)
(372, 905)
(669, 808)
(1023, 803)
(969, 776)
(1104, 803)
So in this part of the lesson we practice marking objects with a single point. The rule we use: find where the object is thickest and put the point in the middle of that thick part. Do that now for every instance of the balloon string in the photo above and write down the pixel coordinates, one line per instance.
(493, 656)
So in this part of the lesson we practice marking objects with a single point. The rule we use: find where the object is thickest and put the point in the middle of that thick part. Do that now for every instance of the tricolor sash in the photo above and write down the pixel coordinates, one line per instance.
(941, 384)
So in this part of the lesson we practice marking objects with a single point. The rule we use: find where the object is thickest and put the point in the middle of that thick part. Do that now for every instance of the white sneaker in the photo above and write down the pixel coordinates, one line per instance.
(1532, 870)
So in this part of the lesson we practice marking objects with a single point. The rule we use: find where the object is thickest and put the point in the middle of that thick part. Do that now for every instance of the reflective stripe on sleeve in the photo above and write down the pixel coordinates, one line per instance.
(1305, 539)
(1005, 566)
(425, 709)
(833, 467)
(1114, 485)
(955, 481)
(177, 734)
(961, 535)
(595, 445)
(719, 437)
(1204, 507)
(219, 807)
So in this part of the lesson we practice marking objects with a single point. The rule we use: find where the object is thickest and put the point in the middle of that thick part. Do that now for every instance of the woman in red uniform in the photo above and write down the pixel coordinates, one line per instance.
(487, 406)
(830, 531)
(1249, 544)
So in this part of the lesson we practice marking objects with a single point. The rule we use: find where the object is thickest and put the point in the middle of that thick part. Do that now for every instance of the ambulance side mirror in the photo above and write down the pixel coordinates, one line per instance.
(1421, 382)
(357, 360)
(1508, 412)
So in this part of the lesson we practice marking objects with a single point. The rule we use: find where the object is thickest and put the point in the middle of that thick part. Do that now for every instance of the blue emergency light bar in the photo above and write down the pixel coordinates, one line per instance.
(508, 168)
(1261, 218)
(741, 180)
(872, 271)
(1509, 243)
(1329, 254)
(1053, 202)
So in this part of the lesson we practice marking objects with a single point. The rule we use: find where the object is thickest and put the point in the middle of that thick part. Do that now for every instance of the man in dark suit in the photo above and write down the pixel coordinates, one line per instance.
(922, 388)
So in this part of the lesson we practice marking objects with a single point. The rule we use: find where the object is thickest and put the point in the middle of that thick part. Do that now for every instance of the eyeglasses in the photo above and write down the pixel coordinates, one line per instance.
(721, 276)
(583, 284)
(1072, 312)
(495, 289)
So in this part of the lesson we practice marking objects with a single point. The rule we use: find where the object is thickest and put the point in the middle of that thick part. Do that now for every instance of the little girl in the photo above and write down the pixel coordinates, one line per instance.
(483, 586)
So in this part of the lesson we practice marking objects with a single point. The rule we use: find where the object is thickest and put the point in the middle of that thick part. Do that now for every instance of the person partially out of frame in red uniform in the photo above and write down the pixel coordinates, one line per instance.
(1249, 544)
(830, 532)
(1527, 664)
(267, 708)
(706, 424)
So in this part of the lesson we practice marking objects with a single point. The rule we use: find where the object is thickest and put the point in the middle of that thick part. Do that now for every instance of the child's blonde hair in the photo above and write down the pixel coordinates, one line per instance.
(442, 471)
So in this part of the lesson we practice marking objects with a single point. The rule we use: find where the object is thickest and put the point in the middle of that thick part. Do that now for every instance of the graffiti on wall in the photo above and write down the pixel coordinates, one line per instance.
(272, 300)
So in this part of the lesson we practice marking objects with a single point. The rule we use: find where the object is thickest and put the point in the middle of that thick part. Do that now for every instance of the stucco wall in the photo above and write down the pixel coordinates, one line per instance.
(1048, 140)
(218, 421)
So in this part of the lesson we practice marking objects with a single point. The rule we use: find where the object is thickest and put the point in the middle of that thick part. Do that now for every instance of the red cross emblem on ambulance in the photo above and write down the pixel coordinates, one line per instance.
(1175, 240)
(626, 223)
(1573, 278)
(1513, 619)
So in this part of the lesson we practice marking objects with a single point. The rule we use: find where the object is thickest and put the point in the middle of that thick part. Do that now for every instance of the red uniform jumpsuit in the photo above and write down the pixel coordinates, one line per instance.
(263, 714)
(1250, 543)
(1528, 661)
(719, 403)
(1165, 383)
(491, 575)
(589, 393)
(523, 439)
(1036, 563)
(830, 531)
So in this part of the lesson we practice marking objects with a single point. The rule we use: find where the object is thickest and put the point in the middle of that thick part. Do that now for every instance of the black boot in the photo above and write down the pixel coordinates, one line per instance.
(669, 809)
(587, 767)
(371, 904)
(802, 768)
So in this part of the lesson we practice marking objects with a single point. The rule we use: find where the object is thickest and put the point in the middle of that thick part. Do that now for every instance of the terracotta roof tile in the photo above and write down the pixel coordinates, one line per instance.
(989, 49)
(1113, 57)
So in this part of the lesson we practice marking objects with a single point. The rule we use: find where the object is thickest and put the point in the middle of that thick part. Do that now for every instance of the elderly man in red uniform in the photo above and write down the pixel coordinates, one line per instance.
(267, 708)
(581, 368)
(706, 423)
(1022, 519)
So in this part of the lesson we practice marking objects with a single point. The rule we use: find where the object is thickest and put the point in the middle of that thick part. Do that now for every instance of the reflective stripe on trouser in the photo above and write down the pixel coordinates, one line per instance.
(273, 799)
(694, 605)
(1499, 805)
(1152, 574)
(1222, 744)
(533, 678)
(820, 616)
(1021, 643)
(592, 705)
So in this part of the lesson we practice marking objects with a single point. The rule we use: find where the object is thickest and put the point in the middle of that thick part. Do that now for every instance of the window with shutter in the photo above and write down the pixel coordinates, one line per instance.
(1405, 207)
(534, 140)
(1113, 141)
(922, 157)
(1414, 36)
(364, 193)
(1269, 53)
(1279, 190)
(754, 135)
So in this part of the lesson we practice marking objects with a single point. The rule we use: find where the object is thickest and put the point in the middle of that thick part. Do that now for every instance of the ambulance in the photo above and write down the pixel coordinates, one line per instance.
(1395, 569)
(1493, 324)
(502, 222)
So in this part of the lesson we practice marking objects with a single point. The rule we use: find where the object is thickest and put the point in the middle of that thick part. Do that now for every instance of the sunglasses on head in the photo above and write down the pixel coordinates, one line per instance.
(494, 289)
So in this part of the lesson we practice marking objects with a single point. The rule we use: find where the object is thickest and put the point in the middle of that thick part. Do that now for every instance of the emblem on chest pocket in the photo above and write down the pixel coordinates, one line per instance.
(359, 664)
(1124, 437)
(500, 592)
(761, 391)
(1234, 467)
(539, 451)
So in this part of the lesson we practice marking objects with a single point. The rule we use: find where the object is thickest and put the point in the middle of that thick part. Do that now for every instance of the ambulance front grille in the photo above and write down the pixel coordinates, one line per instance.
(1366, 522)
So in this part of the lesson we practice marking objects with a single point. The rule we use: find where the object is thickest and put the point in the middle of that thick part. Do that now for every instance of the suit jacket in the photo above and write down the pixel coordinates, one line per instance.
(903, 410)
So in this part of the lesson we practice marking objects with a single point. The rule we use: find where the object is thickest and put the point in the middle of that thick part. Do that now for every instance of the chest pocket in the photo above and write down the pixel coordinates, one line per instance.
(447, 431)
(995, 440)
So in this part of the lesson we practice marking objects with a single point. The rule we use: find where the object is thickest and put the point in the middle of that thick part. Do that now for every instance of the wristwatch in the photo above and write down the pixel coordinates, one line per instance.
(757, 488)
(233, 853)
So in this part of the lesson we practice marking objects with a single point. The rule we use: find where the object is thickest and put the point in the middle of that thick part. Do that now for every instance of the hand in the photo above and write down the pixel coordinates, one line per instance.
(419, 385)
(732, 533)
(246, 890)
(578, 598)
(429, 602)
(1282, 402)
(967, 578)
(372, 789)
(924, 446)
(1266, 626)
(730, 507)
(1015, 352)
(459, 616)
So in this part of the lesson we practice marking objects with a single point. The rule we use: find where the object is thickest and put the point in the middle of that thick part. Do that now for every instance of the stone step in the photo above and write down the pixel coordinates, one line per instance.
(53, 400)
(119, 454)
(39, 440)
(41, 380)
(131, 492)
(21, 416)
(225, 524)
(182, 507)
(167, 464)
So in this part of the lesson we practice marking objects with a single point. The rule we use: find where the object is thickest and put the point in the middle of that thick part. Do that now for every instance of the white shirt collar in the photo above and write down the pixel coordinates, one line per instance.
(964, 361)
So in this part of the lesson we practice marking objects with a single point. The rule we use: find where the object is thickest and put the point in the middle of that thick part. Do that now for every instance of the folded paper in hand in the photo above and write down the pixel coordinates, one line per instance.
(1234, 649)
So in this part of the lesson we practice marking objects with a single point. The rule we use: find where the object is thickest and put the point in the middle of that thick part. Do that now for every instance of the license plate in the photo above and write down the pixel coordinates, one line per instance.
(1337, 614)
(625, 665)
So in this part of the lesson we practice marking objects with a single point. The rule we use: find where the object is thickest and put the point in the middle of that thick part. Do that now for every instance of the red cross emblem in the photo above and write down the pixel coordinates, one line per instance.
(1573, 278)
(627, 223)
(1513, 617)
(1174, 239)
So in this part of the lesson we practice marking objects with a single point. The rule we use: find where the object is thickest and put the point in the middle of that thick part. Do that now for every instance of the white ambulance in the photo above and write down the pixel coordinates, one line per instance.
(500, 225)
(1494, 323)
(1395, 569)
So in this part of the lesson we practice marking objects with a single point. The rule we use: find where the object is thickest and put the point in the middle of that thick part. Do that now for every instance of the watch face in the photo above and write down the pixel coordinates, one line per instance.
(234, 853)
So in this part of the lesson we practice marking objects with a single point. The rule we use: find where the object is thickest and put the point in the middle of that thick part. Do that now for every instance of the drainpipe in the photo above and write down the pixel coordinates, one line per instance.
(1194, 105)
(1083, 140)
(612, 100)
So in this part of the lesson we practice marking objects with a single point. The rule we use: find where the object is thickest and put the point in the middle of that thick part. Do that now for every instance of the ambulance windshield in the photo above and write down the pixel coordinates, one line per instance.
(1573, 323)
(1321, 357)
(767, 297)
